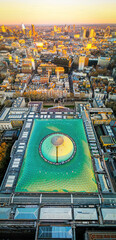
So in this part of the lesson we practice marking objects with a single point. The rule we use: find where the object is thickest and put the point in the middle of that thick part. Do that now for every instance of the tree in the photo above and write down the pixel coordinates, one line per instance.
(8, 103)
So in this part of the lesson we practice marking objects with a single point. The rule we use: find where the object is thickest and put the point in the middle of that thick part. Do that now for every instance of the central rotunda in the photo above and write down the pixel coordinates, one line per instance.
(57, 148)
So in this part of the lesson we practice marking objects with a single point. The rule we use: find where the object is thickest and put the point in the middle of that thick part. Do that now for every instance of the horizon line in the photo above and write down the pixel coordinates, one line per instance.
(60, 24)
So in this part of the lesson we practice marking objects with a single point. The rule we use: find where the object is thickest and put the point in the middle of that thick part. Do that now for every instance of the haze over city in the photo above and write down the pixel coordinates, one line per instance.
(57, 12)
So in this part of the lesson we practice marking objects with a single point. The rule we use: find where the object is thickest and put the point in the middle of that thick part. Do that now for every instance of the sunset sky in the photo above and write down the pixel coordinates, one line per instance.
(57, 11)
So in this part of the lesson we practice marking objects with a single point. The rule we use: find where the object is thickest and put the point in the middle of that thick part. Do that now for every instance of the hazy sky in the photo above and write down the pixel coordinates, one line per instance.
(57, 11)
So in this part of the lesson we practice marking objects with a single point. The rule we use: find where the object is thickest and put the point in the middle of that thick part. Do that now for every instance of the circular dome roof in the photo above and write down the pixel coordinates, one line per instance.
(57, 148)
(57, 140)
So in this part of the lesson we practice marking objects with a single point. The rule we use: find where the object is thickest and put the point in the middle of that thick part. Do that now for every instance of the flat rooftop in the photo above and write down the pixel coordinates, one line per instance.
(101, 110)
(107, 140)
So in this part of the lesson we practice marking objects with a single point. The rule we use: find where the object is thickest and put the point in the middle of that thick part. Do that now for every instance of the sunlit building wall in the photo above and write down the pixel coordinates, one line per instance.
(55, 28)
(44, 79)
(3, 28)
(92, 33)
(59, 70)
(86, 61)
(27, 66)
(81, 63)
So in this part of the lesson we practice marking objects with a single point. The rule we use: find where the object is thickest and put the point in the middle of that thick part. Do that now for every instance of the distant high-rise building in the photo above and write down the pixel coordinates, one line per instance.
(92, 33)
(55, 29)
(87, 33)
(23, 28)
(74, 28)
(65, 28)
(30, 33)
(59, 30)
(107, 31)
(83, 32)
(69, 28)
(33, 30)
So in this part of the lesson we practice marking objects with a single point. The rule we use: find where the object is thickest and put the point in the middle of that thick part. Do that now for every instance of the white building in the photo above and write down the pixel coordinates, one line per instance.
(5, 125)
(103, 61)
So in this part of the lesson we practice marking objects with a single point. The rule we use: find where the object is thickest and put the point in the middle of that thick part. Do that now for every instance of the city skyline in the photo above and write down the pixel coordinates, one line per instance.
(57, 12)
